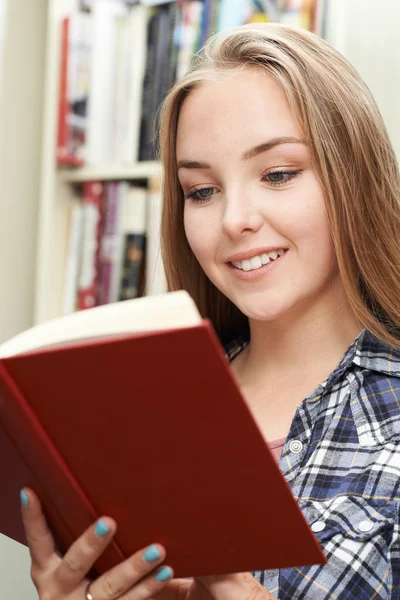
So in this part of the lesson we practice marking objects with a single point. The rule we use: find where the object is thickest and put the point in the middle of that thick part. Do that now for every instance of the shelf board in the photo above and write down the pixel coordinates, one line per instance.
(140, 170)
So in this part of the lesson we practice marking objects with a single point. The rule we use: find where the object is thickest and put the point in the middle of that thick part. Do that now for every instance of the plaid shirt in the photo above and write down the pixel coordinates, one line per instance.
(342, 461)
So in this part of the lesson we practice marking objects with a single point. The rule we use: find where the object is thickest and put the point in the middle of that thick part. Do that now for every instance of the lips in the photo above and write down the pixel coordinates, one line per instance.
(240, 256)
(254, 269)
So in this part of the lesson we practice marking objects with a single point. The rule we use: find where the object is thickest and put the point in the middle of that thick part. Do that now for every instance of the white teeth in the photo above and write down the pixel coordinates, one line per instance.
(258, 261)
(264, 259)
(246, 265)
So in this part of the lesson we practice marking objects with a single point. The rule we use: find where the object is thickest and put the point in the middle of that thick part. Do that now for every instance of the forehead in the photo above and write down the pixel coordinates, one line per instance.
(235, 110)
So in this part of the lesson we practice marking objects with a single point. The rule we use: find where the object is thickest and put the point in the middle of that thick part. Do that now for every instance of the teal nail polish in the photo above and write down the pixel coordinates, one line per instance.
(101, 528)
(151, 554)
(24, 498)
(164, 574)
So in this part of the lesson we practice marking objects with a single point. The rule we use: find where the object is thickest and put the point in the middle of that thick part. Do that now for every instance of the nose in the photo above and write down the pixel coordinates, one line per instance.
(241, 215)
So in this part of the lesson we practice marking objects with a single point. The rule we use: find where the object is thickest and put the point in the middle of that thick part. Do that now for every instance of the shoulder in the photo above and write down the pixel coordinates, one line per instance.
(376, 391)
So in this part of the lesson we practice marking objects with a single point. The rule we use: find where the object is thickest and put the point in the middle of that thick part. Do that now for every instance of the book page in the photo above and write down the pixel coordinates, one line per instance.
(156, 313)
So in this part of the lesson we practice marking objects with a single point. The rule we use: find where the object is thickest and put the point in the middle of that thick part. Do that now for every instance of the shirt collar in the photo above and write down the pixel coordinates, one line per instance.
(366, 351)
(373, 354)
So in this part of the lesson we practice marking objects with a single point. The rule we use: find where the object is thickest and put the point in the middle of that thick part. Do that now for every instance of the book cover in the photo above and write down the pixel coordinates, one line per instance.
(174, 458)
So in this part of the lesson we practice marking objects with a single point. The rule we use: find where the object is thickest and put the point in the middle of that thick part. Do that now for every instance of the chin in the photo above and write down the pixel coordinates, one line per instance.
(261, 312)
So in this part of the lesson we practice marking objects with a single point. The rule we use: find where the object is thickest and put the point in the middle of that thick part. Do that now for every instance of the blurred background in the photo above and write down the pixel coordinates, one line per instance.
(81, 82)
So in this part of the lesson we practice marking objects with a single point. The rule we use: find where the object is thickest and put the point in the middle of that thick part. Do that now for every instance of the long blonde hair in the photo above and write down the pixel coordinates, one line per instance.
(352, 155)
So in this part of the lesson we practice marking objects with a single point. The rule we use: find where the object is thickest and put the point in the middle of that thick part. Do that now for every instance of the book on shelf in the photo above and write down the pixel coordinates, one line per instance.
(113, 248)
(155, 274)
(92, 203)
(136, 53)
(74, 246)
(131, 410)
(110, 243)
(76, 53)
(134, 230)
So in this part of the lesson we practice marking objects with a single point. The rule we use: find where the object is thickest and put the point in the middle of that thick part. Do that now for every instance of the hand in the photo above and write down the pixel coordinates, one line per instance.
(64, 578)
(237, 586)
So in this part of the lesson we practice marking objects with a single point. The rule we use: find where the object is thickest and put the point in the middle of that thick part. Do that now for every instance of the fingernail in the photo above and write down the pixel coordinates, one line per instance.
(164, 574)
(151, 554)
(24, 498)
(101, 528)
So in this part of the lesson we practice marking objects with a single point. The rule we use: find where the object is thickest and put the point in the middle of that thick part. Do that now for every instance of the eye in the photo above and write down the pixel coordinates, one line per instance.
(200, 194)
(280, 176)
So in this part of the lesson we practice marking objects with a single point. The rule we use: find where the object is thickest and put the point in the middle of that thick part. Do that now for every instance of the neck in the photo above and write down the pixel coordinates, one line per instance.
(306, 346)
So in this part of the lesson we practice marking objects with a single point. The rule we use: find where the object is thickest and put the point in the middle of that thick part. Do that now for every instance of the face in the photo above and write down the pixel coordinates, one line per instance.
(254, 211)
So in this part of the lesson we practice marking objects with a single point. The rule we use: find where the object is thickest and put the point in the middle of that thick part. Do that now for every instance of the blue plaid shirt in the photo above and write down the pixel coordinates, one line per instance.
(342, 462)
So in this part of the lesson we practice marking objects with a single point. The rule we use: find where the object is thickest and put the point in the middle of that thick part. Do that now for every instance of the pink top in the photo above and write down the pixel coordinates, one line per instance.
(276, 448)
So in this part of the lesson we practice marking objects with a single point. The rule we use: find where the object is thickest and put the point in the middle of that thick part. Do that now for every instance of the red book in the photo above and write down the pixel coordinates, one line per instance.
(145, 423)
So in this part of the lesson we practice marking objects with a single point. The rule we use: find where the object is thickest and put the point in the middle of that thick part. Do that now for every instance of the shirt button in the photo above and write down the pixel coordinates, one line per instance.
(318, 526)
(295, 446)
(365, 526)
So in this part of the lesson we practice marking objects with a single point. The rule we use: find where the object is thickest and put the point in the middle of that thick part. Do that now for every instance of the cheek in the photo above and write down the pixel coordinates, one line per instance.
(318, 244)
(309, 230)
(193, 233)
(197, 234)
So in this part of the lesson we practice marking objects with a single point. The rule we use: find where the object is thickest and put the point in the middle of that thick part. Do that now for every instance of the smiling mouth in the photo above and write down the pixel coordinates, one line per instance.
(256, 262)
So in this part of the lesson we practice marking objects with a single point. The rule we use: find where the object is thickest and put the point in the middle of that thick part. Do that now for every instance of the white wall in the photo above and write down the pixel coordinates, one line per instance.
(366, 33)
(21, 85)
(22, 40)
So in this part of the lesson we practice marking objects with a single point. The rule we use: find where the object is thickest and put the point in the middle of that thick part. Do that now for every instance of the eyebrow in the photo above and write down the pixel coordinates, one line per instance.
(248, 154)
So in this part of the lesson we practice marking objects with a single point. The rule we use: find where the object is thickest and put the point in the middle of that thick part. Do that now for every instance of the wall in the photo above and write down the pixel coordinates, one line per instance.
(22, 44)
(21, 97)
(366, 33)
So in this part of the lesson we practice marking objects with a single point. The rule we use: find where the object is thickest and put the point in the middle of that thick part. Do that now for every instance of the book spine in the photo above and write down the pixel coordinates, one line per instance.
(155, 274)
(109, 243)
(135, 69)
(73, 258)
(68, 509)
(79, 77)
(121, 95)
(63, 130)
(102, 83)
(92, 200)
(146, 125)
(134, 219)
(73, 94)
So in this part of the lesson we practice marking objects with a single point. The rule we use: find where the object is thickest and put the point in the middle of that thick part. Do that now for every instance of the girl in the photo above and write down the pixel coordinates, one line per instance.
(281, 218)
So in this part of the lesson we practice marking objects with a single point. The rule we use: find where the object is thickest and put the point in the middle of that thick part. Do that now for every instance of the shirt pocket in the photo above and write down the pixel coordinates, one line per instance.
(355, 535)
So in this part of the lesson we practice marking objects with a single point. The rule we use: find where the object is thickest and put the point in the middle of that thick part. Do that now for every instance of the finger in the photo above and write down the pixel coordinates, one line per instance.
(150, 587)
(134, 572)
(83, 553)
(235, 586)
(39, 537)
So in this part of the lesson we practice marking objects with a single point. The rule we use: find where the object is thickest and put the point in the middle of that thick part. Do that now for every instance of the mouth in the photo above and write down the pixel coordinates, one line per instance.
(260, 261)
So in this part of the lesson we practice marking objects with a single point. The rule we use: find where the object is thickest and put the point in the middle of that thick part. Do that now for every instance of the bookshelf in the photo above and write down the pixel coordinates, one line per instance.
(138, 171)
(60, 186)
